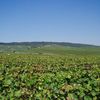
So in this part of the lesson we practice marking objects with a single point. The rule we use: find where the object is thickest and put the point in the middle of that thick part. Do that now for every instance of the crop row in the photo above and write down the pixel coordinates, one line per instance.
(49, 77)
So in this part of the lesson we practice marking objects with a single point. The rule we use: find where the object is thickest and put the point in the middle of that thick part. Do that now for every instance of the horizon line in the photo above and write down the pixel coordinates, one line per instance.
(50, 42)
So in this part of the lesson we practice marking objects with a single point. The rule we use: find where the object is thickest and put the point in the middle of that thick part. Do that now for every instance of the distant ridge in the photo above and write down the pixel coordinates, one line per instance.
(49, 43)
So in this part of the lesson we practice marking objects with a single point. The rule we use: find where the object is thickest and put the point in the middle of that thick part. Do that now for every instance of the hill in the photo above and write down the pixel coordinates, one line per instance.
(49, 48)
(35, 44)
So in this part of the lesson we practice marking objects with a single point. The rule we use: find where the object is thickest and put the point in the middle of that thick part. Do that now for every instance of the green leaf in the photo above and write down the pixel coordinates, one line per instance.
(1, 78)
(95, 98)
(87, 98)
(18, 93)
(72, 96)
(7, 82)
(93, 93)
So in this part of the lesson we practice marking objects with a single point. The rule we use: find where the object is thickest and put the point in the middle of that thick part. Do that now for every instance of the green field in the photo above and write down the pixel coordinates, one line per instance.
(49, 72)
(50, 48)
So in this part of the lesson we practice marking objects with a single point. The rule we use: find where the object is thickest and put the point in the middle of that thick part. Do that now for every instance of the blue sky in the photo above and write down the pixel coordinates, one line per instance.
(75, 21)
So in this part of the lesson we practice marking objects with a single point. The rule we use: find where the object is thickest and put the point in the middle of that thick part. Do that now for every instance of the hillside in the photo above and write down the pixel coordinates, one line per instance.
(49, 48)
(35, 44)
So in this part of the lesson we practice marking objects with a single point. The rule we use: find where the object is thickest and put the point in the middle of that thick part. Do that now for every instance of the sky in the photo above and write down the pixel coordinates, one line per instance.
(76, 21)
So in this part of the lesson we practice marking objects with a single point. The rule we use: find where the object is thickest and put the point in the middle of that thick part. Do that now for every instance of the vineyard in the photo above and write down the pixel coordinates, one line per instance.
(49, 77)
